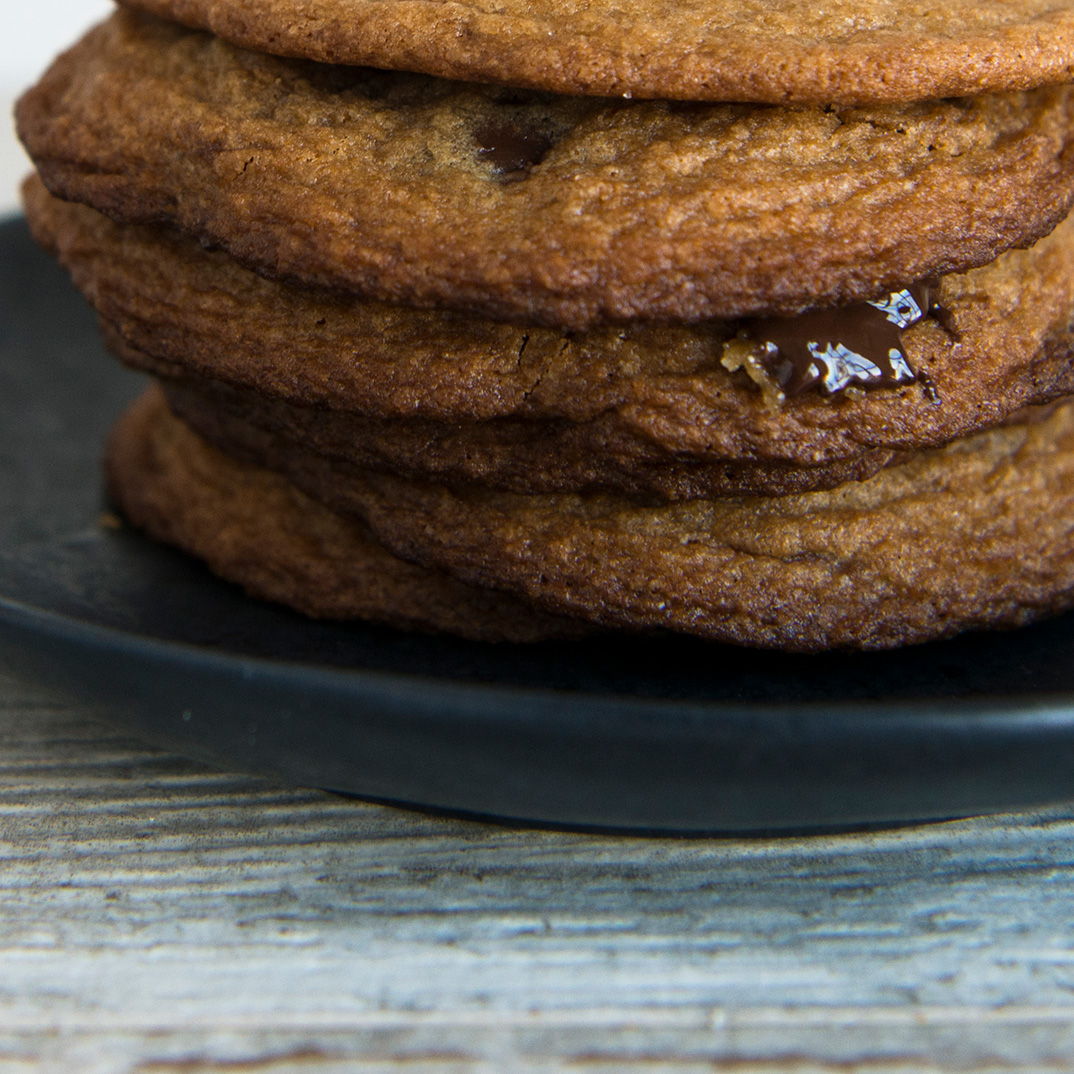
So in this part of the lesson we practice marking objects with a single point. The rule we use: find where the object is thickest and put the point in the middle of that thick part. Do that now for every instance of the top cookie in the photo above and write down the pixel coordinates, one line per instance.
(845, 51)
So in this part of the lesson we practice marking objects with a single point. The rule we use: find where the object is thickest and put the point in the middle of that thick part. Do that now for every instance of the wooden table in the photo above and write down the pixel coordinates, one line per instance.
(158, 916)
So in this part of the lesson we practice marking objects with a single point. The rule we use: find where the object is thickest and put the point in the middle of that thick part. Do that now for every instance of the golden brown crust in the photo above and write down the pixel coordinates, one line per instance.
(253, 528)
(375, 182)
(977, 534)
(736, 50)
(646, 409)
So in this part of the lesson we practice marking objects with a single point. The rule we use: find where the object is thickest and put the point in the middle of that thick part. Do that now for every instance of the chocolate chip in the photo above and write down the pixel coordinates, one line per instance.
(856, 346)
(510, 149)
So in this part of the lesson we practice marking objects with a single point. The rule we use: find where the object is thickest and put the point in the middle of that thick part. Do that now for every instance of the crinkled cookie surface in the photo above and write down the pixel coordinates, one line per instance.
(645, 409)
(534, 208)
(254, 528)
(975, 534)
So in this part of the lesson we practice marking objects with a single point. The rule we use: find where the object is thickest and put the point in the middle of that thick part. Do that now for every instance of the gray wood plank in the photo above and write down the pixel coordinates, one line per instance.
(156, 915)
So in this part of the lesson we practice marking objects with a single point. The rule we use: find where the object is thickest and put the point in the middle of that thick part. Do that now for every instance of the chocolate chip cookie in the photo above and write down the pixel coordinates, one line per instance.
(644, 409)
(979, 533)
(542, 209)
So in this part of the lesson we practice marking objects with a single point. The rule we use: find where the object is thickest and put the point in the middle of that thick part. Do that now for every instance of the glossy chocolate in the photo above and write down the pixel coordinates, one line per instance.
(856, 346)
(510, 149)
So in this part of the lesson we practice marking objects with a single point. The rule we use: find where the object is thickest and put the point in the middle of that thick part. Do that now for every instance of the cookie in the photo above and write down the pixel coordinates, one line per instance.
(563, 211)
(977, 534)
(648, 410)
(253, 528)
(849, 51)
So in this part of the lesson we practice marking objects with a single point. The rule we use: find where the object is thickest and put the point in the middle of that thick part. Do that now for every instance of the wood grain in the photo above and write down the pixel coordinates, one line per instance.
(158, 916)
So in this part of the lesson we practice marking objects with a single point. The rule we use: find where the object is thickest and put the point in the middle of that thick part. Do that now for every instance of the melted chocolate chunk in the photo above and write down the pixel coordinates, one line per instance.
(510, 149)
(859, 345)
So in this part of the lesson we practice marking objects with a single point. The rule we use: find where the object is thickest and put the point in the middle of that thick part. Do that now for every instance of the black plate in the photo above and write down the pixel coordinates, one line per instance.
(669, 734)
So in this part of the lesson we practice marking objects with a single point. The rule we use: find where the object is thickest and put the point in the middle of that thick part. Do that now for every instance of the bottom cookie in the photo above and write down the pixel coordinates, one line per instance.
(977, 534)
(255, 528)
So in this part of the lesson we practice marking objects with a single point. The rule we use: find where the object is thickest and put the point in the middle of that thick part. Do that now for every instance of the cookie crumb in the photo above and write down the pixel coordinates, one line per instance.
(743, 354)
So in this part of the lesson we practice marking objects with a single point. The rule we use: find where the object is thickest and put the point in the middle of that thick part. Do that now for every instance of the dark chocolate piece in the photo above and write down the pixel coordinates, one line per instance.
(510, 149)
(859, 345)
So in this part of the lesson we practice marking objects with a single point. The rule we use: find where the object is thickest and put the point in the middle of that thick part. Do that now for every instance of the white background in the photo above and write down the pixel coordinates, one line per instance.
(31, 33)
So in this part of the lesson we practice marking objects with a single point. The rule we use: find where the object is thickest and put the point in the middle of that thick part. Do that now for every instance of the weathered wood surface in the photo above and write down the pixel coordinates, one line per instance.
(158, 916)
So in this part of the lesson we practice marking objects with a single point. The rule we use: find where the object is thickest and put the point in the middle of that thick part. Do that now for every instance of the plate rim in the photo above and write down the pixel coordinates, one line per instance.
(18, 615)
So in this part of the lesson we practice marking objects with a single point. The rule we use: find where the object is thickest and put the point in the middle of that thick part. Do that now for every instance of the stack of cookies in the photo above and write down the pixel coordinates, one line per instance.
(746, 320)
